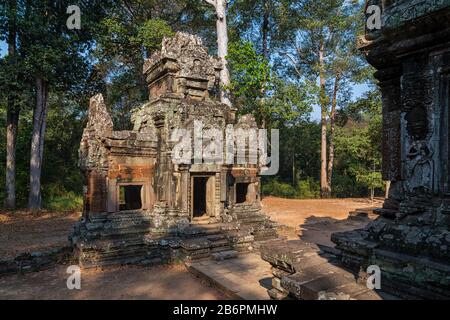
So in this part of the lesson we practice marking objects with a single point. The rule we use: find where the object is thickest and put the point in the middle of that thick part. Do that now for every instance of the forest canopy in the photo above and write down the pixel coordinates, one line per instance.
(293, 64)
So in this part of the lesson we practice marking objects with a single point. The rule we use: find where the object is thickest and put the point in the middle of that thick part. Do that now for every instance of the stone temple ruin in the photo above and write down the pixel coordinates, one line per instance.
(410, 241)
(140, 206)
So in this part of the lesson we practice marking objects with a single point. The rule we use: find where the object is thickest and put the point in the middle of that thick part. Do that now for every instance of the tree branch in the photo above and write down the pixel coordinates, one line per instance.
(294, 64)
(127, 7)
(212, 2)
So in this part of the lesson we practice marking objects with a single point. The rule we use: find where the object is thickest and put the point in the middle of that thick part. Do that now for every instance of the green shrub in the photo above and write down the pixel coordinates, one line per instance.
(346, 186)
(278, 189)
(67, 202)
(56, 198)
(308, 189)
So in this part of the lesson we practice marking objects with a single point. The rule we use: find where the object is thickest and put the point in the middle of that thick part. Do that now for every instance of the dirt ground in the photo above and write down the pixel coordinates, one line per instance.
(314, 220)
(311, 220)
(21, 231)
(161, 282)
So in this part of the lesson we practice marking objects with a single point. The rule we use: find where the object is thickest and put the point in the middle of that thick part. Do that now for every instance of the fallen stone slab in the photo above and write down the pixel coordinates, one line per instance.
(307, 272)
(239, 278)
(219, 256)
(35, 261)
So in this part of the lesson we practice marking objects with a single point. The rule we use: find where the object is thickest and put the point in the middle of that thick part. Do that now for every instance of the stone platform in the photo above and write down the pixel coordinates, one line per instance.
(245, 277)
(315, 277)
(307, 271)
(131, 237)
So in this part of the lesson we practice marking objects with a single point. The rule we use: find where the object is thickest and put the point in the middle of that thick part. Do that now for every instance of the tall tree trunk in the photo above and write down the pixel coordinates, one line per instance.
(324, 187)
(293, 168)
(37, 144)
(265, 29)
(222, 47)
(12, 116)
(265, 49)
(332, 127)
(12, 125)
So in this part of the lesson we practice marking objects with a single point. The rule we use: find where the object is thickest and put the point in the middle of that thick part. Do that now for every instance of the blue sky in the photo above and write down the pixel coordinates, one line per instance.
(2, 48)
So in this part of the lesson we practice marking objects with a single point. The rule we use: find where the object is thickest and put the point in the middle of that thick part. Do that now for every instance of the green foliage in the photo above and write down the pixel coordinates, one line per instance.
(346, 186)
(57, 199)
(274, 78)
(308, 189)
(257, 90)
(122, 47)
(358, 143)
(278, 189)
(305, 189)
(372, 180)
(152, 32)
(251, 71)
(250, 79)
(288, 102)
(61, 177)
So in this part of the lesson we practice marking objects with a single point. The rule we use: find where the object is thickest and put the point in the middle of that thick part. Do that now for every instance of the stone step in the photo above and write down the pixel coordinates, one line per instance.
(224, 255)
(219, 243)
(217, 237)
(124, 256)
(221, 249)
(201, 230)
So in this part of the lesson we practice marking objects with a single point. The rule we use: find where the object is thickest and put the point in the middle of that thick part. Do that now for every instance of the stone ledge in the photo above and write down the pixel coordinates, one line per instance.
(35, 261)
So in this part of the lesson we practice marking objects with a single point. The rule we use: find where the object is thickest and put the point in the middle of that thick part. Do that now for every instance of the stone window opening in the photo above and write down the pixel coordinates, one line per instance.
(241, 192)
(130, 197)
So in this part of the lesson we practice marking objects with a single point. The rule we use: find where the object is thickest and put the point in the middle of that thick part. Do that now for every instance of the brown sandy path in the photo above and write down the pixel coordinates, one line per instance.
(21, 231)
(160, 282)
(297, 216)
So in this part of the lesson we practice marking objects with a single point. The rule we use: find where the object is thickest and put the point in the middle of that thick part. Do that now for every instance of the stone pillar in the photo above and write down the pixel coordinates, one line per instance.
(159, 186)
(389, 84)
(184, 189)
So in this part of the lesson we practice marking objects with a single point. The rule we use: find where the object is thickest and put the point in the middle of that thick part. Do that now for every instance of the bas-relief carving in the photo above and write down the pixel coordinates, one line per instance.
(418, 128)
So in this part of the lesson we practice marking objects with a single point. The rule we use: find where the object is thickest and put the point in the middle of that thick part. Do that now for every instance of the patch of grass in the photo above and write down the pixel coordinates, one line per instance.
(68, 201)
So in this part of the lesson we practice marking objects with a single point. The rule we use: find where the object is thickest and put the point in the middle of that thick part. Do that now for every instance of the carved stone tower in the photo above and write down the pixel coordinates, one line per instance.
(410, 242)
(141, 203)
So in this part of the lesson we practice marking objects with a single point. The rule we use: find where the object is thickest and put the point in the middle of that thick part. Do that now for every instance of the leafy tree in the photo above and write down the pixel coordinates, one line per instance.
(259, 91)
(250, 78)
(55, 61)
(372, 180)
(9, 82)
(131, 31)
(255, 21)
(358, 142)
(124, 43)
(317, 38)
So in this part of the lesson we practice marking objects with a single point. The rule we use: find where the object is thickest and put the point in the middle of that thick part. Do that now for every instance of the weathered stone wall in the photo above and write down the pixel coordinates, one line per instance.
(411, 240)
(183, 83)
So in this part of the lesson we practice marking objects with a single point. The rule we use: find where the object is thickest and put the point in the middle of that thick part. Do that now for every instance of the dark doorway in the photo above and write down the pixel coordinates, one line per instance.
(241, 192)
(130, 197)
(199, 190)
